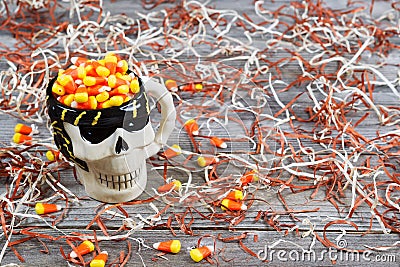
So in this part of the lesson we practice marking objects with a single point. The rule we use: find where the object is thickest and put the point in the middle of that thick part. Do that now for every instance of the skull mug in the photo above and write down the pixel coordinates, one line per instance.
(110, 146)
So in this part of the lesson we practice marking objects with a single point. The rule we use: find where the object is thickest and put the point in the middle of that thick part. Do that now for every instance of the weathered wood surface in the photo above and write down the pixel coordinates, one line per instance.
(278, 248)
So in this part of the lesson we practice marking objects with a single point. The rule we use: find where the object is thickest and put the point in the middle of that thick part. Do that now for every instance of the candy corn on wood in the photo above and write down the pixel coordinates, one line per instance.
(84, 248)
(191, 127)
(171, 246)
(100, 260)
(229, 204)
(174, 185)
(198, 254)
(45, 208)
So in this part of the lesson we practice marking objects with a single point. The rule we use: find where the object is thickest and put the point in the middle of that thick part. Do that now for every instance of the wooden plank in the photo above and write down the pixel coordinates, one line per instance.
(276, 249)
(265, 203)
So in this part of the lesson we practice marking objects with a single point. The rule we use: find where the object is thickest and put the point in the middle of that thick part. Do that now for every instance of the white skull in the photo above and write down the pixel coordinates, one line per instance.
(111, 156)
(116, 166)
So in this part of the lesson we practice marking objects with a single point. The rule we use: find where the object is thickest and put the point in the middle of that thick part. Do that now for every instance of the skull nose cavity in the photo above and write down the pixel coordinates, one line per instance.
(121, 145)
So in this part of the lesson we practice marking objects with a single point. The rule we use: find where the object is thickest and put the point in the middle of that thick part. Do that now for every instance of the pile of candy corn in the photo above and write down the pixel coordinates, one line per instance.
(95, 84)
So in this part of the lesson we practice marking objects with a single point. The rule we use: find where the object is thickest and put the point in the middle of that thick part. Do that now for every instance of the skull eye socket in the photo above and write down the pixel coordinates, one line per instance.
(95, 135)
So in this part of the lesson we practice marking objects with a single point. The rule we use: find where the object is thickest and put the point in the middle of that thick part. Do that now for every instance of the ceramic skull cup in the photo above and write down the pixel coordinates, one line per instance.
(110, 146)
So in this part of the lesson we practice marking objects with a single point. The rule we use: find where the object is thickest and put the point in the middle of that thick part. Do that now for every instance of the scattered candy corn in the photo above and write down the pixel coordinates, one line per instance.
(198, 254)
(52, 155)
(84, 248)
(192, 127)
(206, 161)
(89, 84)
(19, 138)
(218, 142)
(171, 246)
(235, 195)
(191, 87)
(173, 151)
(171, 85)
(45, 208)
(23, 129)
(100, 260)
(174, 185)
(249, 177)
(229, 204)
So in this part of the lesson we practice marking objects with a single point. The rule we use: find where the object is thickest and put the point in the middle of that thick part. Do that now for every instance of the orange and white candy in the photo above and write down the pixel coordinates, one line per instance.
(19, 138)
(204, 161)
(249, 177)
(171, 246)
(191, 127)
(173, 151)
(171, 85)
(174, 185)
(235, 195)
(23, 129)
(229, 204)
(200, 253)
(100, 260)
(84, 248)
(45, 208)
(218, 142)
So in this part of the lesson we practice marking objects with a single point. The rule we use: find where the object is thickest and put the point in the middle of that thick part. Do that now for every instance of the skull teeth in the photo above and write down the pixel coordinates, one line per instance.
(119, 182)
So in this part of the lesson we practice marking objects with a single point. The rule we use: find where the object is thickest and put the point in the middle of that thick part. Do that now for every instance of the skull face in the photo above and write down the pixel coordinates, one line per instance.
(108, 146)
(116, 165)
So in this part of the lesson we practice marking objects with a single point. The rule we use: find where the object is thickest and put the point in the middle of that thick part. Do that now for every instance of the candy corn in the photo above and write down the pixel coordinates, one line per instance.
(171, 246)
(191, 87)
(122, 66)
(191, 127)
(171, 85)
(114, 82)
(123, 89)
(103, 79)
(173, 151)
(134, 86)
(111, 63)
(116, 100)
(90, 69)
(77, 61)
(23, 129)
(19, 138)
(174, 185)
(91, 103)
(92, 80)
(100, 260)
(58, 89)
(198, 254)
(249, 177)
(206, 161)
(229, 204)
(68, 83)
(102, 71)
(67, 99)
(52, 155)
(84, 248)
(81, 95)
(45, 208)
(218, 142)
(235, 195)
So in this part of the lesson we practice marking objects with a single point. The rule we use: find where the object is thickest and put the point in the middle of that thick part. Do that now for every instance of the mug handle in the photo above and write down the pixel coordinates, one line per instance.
(168, 114)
